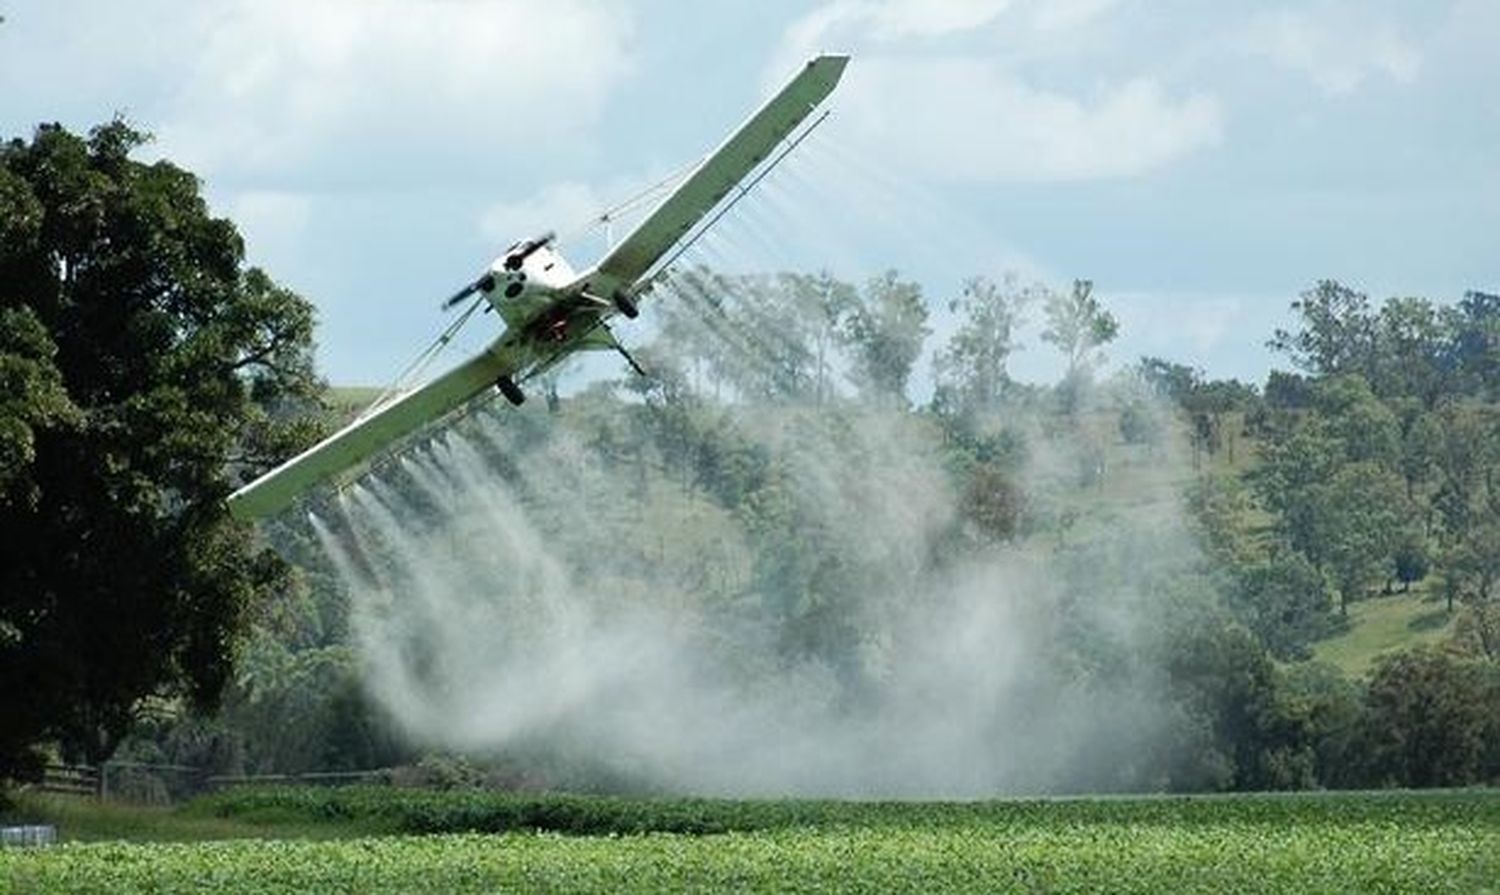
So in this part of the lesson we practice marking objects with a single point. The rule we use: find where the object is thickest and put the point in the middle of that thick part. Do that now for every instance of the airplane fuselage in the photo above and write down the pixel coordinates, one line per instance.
(524, 294)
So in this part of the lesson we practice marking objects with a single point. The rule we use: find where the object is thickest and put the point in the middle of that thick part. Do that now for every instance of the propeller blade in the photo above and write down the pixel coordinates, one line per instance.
(519, 253)
(484, 283)
(460, 295)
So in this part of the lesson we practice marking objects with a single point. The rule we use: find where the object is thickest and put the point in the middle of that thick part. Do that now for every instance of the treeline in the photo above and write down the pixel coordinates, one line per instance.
(1375, 471)
(1324, 488)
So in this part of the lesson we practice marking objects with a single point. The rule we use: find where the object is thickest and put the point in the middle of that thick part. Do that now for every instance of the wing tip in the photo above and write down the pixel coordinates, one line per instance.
(835, 61)
(827, 69)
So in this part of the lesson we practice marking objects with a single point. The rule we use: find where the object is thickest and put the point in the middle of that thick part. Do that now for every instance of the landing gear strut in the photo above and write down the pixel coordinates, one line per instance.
(627, 305)
(510, 390)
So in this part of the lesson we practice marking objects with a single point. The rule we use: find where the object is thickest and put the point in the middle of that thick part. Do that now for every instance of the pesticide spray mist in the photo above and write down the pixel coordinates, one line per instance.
(598, 600)
(513, 588)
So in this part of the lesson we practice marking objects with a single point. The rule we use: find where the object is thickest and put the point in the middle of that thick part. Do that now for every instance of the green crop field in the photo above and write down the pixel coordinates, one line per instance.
(1379, 842)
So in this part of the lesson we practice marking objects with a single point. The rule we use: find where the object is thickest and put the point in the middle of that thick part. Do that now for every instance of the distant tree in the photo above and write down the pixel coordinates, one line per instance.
(1287, 391)
(1284, 601)
(1207, 403)
(1474, 343)
(1140, 423)
(992, 503)
(1290, 482)
(1335, 332)
(1473, 559)
(1345, 514)
(1220, 506)
(1467, 501)
(1218, 672)
(972, 366)
(1366, 428)
(1476, 633)
(824, 303)
(1359, 523)
(1209, 406)
(1329, 708)
(886, 330)
(1173, 381)
(1410, 340)
(1412, 559)
(146, 370)
(1078, 325)
(1421, 447)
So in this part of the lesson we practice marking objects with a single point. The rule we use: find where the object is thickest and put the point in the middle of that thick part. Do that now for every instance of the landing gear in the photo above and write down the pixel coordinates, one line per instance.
(510, 390)
(627, 305)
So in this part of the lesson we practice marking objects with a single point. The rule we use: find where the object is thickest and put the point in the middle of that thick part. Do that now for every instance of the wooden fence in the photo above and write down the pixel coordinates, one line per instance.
(70, 779)
(159, 783)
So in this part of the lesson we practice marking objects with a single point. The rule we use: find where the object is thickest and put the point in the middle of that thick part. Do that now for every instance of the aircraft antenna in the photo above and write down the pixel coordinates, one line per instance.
(607, 217)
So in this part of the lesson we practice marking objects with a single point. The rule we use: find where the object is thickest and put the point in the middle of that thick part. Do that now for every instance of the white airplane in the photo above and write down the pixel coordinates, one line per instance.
(551, 311)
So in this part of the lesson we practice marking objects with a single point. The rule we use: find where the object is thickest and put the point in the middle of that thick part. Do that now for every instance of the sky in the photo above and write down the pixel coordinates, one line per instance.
(1202, 163)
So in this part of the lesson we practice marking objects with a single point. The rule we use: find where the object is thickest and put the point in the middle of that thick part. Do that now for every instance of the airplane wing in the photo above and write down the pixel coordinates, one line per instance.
(712, 180)
(365, 437)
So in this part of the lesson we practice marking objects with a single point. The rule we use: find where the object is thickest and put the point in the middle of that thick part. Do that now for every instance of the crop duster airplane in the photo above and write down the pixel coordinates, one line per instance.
(551, 311)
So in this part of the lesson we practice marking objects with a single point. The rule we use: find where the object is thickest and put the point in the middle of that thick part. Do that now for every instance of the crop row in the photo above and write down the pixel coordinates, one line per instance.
(1121, 857)
(424, 811)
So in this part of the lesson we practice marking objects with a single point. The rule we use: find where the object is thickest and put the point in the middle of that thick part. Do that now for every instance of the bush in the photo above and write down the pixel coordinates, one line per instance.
(1430, 720)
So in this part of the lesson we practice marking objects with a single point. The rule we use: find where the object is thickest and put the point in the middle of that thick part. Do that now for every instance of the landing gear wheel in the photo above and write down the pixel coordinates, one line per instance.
(627, 305)
(510, 390)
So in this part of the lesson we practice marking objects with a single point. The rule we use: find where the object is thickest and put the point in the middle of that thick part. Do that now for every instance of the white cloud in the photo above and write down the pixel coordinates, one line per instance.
(955, 109)
(377, 90)
(1065, 15)
(890, 20)
(970, 119)
(898, 19)
(843, 25)
(572, 210)
(1337, 47)
(562, 207)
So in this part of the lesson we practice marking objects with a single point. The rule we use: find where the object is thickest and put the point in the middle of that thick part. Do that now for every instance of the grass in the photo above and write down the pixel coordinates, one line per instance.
(1381, 625)
(1387, 842)
(347, 401)
(80, 819)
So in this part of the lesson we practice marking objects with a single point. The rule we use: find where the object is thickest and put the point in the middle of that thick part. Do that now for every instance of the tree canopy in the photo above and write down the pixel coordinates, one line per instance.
(144, 368)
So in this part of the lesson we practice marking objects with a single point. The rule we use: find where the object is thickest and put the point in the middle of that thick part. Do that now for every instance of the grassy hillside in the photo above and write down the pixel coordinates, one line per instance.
(349, 400)
(1385, 624)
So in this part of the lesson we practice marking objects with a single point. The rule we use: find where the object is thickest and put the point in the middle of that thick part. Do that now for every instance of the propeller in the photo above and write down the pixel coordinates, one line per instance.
(514, 258)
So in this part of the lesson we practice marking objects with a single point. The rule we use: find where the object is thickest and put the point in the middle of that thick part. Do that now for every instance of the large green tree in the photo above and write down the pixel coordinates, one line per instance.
(146, 371)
